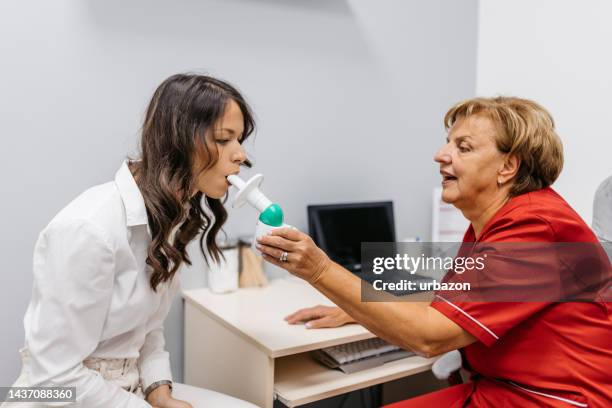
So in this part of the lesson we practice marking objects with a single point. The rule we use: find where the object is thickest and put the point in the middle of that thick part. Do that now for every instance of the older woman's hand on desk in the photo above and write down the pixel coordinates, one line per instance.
(307, 261)
(414, 326)
(318, 317)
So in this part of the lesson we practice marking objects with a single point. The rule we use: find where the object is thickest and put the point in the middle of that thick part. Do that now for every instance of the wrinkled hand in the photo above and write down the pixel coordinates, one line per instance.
(318, 317)
(304, 259)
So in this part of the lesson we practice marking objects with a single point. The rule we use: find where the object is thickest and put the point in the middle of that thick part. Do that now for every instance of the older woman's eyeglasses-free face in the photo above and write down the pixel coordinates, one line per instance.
(470, 163)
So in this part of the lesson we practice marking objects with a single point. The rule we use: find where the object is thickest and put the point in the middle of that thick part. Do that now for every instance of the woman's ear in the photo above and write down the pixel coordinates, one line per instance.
(508, 169)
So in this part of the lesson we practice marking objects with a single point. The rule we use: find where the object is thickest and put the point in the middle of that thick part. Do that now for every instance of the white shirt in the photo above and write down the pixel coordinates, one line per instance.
(92, 297)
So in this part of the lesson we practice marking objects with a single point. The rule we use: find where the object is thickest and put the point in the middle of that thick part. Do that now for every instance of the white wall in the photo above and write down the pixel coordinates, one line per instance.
(349, 96)
(558, 54)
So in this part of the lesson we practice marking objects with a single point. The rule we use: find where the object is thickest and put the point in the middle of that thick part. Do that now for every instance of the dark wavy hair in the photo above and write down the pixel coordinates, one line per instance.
(181, 111)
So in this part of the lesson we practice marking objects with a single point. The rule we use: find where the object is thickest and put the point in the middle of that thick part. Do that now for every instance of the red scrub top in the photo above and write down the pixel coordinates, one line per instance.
(531, 354)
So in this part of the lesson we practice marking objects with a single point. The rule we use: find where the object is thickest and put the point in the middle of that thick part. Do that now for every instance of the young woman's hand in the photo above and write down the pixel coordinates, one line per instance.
(318, 317)
(304, 259)
(174, 403)
(161, 397)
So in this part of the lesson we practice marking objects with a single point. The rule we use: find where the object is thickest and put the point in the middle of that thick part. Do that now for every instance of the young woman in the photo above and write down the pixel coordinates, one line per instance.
(105, 268)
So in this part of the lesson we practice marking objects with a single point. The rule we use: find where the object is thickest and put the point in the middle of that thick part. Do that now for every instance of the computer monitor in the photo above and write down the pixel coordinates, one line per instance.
(339, 229)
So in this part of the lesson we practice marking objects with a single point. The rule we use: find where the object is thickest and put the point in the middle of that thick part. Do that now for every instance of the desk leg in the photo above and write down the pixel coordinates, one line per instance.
(218, 359)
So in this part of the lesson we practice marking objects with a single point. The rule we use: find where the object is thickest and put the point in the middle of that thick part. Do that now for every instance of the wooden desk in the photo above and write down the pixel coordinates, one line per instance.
(239, 344)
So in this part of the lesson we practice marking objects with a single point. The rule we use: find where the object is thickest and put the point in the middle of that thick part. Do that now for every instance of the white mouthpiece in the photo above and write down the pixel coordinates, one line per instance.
(249, 192)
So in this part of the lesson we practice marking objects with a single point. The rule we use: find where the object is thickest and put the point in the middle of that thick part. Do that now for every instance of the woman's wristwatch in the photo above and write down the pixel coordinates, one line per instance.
(156, 384)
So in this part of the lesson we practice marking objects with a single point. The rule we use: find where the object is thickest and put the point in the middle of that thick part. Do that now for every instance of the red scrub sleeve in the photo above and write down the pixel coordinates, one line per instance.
(488, 320)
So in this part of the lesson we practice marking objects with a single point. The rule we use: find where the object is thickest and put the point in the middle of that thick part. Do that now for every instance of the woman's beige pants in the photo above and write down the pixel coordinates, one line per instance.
(124, 373)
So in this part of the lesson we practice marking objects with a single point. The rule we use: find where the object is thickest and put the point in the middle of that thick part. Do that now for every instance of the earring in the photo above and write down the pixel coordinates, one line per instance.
(499, 184)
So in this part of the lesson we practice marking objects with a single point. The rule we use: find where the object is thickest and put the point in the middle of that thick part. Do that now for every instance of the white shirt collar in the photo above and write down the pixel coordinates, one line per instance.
(135, 209)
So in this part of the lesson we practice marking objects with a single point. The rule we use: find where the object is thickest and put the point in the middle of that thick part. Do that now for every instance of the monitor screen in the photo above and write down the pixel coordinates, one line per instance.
(339, 229)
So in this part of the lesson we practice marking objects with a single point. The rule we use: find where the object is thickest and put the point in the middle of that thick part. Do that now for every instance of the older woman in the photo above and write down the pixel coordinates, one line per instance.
(498, 163)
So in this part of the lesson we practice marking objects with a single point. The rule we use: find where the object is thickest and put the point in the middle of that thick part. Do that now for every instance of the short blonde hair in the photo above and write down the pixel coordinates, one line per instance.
(526, 130)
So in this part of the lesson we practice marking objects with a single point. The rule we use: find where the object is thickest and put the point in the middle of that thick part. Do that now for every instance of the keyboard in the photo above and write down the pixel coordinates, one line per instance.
(360, 355)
